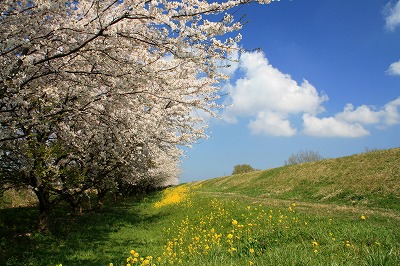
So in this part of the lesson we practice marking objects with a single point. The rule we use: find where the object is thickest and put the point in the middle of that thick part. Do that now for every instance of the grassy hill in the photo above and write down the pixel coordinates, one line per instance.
(370, 179)
(341, 211)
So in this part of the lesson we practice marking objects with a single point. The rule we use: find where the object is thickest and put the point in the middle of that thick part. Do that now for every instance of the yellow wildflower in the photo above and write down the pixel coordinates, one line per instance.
(234, 222)
(229, 236)
(251, 250)
(145, 262)
(362, 217)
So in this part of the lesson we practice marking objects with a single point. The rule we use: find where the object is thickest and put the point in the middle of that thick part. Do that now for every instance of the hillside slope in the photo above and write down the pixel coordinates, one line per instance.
(369, 179)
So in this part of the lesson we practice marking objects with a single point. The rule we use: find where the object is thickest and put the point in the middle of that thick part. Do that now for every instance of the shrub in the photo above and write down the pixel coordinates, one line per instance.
(303, 157)
(242, 168)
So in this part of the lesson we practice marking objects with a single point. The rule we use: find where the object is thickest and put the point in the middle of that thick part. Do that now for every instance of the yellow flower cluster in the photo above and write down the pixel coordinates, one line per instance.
(174, 195)
(226, 231)
(137, 260)
(222, 233)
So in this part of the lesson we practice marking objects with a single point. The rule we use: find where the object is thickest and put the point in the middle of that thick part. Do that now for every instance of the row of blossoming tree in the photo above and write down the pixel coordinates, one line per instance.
(100, 94)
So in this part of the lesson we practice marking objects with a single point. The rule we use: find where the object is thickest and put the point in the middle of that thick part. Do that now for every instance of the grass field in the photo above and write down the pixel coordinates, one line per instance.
(234, 220)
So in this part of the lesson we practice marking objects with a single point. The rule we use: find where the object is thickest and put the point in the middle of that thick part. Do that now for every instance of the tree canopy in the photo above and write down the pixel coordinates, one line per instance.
(101, 94)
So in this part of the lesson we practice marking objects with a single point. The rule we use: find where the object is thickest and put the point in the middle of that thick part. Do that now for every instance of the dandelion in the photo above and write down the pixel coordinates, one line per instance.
(251, 250)
(229, 236)
(251, 263)
(362, 217)
(314, 243)
(234, 222)
(315, 251)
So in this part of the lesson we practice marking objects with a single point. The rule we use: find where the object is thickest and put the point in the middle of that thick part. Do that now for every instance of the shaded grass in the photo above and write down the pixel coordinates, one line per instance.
(90, 239)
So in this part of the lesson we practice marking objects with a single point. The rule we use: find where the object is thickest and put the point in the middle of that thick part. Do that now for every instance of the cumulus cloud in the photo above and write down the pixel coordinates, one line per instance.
(332, 127)
(270, 123)
(352, 121)
(391, 113)
(392, 17)
(362, 114)
(394, 68)
(269, 96)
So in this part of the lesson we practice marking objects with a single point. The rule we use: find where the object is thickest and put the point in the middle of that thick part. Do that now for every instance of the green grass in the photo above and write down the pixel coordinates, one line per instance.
(370, 179)
(301, 222)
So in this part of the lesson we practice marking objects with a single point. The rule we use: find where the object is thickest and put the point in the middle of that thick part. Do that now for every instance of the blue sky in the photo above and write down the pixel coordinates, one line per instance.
(327, 80)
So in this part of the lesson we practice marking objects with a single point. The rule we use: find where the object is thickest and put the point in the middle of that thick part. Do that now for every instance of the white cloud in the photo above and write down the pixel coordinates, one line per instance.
(362, 114)
(269, 95)
(392, 113)
(351, 122)
(271, 124)
(392, 15)
(394, 68)
(332, 127)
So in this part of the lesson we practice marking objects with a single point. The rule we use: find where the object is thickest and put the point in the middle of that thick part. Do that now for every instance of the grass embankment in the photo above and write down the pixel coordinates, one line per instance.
(199, 224)
(370, 179)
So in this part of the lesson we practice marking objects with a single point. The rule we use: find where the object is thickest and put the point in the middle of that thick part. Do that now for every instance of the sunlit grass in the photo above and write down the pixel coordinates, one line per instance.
(217, 231)
(369, 179)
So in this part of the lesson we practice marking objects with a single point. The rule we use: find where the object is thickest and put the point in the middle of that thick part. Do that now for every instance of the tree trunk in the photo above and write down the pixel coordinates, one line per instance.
(44, 220)
(101, 193)
(44, 209)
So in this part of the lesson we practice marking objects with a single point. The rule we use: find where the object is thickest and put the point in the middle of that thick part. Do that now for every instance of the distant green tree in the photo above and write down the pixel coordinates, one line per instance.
(303, 157)
(242, 168)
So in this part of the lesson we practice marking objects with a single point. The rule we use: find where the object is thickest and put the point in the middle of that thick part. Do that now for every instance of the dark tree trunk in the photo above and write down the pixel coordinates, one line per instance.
(101, 193)
(45, 209)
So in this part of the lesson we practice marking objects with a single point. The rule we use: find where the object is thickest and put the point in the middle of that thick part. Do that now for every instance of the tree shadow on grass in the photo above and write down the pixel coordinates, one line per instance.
(94, 238)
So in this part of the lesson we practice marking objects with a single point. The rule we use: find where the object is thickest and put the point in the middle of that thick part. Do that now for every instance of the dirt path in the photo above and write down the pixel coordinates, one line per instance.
(310, 207)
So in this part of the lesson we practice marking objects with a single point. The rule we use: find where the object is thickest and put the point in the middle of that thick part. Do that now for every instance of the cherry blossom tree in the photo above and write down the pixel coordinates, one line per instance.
(96, 93)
